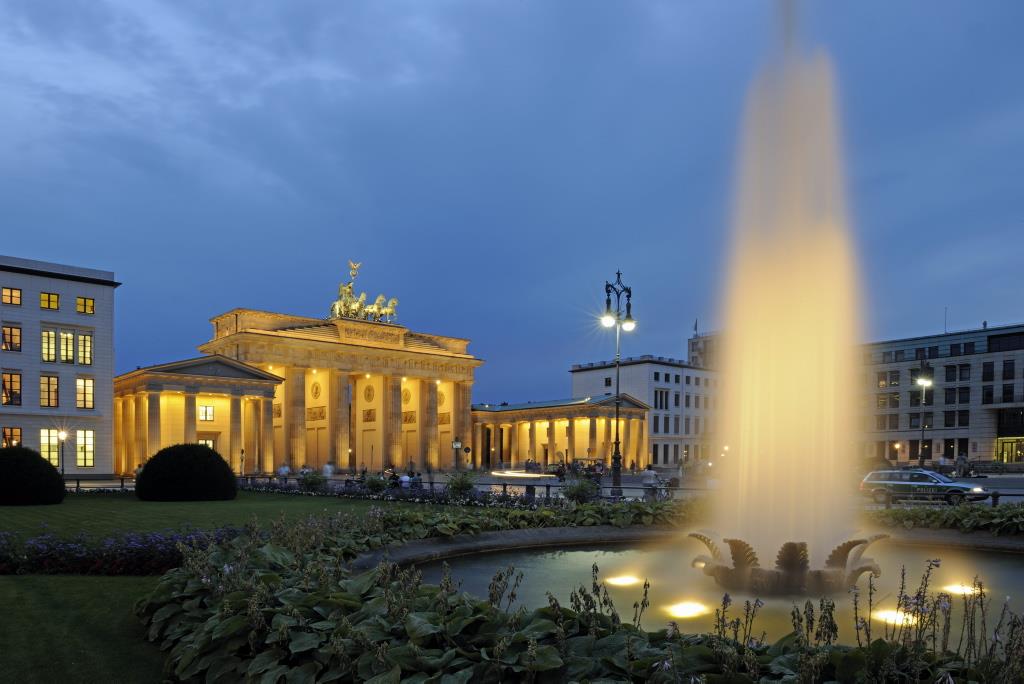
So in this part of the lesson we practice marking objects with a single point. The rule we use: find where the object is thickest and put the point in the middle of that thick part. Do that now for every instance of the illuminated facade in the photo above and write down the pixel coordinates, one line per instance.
(57, 361)
(581, 430)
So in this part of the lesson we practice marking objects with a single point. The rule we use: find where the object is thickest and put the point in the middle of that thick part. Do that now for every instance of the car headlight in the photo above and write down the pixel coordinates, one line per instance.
(977, 490)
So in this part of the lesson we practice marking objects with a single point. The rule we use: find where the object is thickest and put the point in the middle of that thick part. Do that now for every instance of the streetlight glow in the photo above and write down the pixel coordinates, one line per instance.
(62, 435)
(607, 320)
(629, 325)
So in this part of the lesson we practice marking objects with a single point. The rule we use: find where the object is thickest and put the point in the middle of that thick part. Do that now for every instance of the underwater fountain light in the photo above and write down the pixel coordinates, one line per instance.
(895, 617)
(687, 609)
(792, 573)
(960, 589)
(623, 580)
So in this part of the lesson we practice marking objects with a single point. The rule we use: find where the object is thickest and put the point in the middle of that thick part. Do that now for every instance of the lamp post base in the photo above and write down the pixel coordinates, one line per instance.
(616, 475)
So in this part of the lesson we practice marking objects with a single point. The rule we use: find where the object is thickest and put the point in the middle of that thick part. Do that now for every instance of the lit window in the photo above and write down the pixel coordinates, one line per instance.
(49, 300)
(67, 346)
(48, 391)
(48, 345)
(205, 413)
(11, 338)
(10, 295)
(11, 389)
(206, 442)
(11, 436)
(49, 445)
(85, 305)
(85, 448)
(84, 393)
(85, 349)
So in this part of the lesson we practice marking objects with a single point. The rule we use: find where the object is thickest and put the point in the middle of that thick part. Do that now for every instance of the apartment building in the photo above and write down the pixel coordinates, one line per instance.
(683, 400)
(57, 363)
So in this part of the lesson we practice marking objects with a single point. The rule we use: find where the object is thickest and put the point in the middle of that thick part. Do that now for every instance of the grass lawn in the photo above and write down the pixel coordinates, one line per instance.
(62, 628)
(102, 514)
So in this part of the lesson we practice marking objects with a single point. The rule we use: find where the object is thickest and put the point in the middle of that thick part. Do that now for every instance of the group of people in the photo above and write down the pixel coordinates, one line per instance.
(284, 471)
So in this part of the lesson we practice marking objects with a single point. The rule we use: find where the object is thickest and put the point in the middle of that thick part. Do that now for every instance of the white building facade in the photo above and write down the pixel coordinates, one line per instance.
(57, 363)
(974, 406)
(683, 400)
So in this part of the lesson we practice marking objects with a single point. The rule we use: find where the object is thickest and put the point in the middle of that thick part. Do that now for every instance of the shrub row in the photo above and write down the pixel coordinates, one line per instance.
(1007, 519)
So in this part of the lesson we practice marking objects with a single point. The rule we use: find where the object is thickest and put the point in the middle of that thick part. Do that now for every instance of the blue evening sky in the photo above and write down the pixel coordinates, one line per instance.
(490, 162)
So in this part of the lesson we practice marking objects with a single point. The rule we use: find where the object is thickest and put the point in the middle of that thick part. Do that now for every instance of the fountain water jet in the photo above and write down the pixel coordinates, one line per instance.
(789, 379)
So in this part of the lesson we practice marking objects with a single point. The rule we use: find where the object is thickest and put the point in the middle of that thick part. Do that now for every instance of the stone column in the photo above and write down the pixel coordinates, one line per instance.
(608, 447)
(141, 445)
(250, 435)
(428, 420)
(235, 433)
(339, 405)
(513, 446)
(532, 453)
(476, 457)
(190, 417)
(267, 434)
(393, 421)
(152, 423)
(570, 439)
(295, 416)
(645, 449)
(461, 410)
(592, 437)
(128, 431)
(552, 443)
(498, 453)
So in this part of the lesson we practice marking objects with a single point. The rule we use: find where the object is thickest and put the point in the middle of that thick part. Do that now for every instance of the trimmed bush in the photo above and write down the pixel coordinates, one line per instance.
(28, 478)
(186, 472)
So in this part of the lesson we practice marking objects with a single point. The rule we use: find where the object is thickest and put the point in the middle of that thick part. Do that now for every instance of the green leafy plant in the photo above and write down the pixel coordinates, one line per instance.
(581, 490)
(1007, 519)
(462, 484)
(376, 484)
(312, 482)
(186, 472)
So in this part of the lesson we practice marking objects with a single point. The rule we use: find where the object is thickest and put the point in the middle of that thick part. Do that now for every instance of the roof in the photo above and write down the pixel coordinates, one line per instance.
(985, 330)
(211, 365)
(47, 269)
(602, 400)
(638, 360)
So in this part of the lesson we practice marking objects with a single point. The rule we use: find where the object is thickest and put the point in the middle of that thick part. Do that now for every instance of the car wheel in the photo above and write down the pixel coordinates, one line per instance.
(880, 496)
(954, 498)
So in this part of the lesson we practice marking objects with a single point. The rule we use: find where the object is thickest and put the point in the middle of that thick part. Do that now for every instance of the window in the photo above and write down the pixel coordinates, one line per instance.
(85, 448)
(950, 395)
(1008, 342)
(206, 414)
(11, 395)
(67, 346)
(1007, 392)
(675, 453)
(686, 425)
(687, 379)
(955, 349)
(950, 373)
(10, 436)
(987, 372)
(49, 445)
(964, 418)
(85, 305)
(84, 393)
(964, 395)
(887, 357)
(968, 347)
(915, 420)
(949, 419)
(687, 401)
(676, 379)
(85, 349)
(11, 338)
(696, 380)
(928, 420)
(696, 401)
(987, 395)
(206, 442)
(929, 398)
(900, 355)
(10, 295)
(49, 300)
(894, 378)
(696, 425)
(880, 422)
(933, 352)
(608, 382)
(48, 397)
(654, 454)
(914, 373)
(919, 353)
(48, 345)
(657, 423)
(882, 401)
(894, 400)
(1009, 368)
(676, 400)
(894, 421)
(965, 372)
(657, 376)
(675, 425)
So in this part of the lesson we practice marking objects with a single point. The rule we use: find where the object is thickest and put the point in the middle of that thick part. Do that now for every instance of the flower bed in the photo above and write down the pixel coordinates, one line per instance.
(1007, 519)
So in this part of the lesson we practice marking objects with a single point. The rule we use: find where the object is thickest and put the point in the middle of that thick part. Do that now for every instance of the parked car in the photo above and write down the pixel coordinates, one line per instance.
(918, 485)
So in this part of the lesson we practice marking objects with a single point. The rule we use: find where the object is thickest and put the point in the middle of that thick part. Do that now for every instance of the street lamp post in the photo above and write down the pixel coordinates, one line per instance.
(62, 435)
(614, 318)
(924, 382)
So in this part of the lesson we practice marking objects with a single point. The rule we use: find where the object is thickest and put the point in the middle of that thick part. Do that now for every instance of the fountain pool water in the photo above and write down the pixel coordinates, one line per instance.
(681, 593)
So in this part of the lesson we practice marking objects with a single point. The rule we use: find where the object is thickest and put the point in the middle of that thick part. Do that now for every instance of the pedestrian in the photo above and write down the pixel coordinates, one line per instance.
(404, 481)
(328, 469)
(632, 467)
(649, 479)
(284, 471)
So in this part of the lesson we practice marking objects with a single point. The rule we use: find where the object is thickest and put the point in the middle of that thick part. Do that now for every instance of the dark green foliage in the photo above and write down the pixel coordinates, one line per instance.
(186, 472)
(461, 484)
(313, 482)
(581, 490)
(1006, 519)
(28, 479)
(376, 484)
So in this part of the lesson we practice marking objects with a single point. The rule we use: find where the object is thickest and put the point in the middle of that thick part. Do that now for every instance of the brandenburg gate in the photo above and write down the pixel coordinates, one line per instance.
(359, 389)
